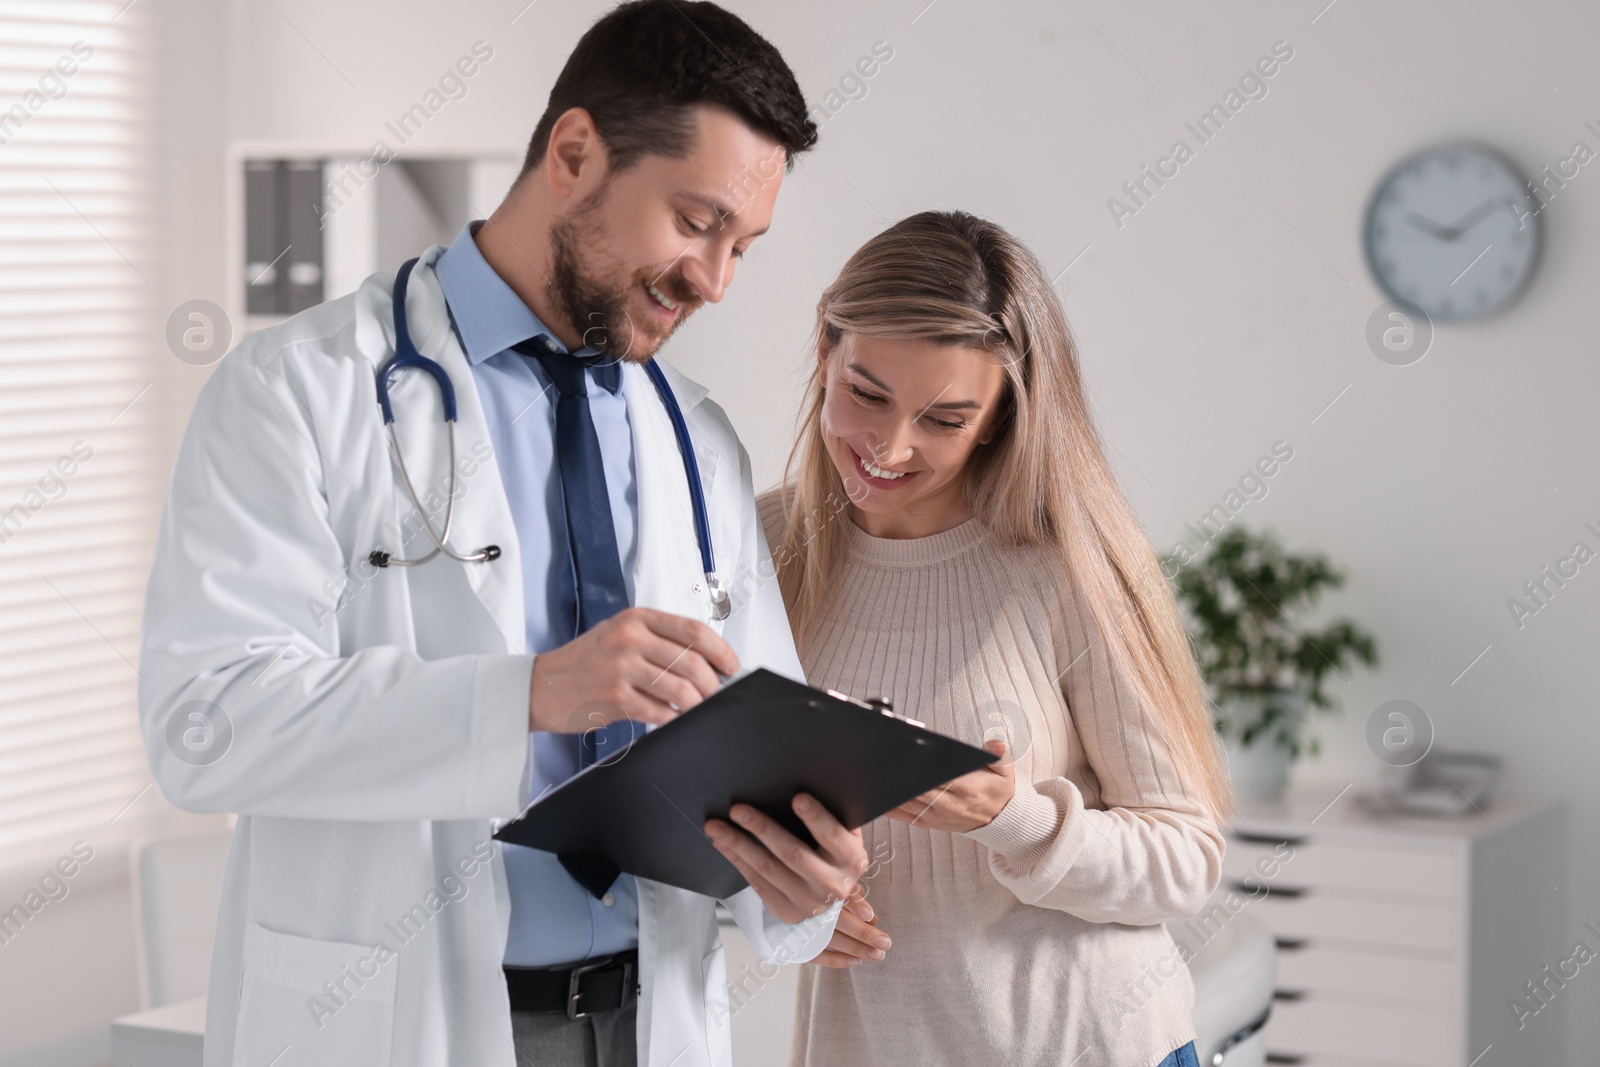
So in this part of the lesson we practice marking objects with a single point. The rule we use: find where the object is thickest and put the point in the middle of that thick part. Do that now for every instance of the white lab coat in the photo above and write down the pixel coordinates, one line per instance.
(379, 717)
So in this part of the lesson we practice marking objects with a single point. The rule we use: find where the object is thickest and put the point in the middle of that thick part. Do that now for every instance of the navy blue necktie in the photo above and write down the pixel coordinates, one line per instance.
(592, 544)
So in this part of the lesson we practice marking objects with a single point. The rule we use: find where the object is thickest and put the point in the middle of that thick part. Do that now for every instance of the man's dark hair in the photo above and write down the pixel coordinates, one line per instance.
(641, 69)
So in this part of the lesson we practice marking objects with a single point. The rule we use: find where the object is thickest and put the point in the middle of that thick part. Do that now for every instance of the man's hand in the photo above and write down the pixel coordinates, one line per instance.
(793, 880)
(971, 801)
(640, 664)
(856, 937)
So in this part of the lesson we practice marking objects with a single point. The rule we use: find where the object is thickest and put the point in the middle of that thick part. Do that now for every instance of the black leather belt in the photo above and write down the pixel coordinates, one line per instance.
(601, 984)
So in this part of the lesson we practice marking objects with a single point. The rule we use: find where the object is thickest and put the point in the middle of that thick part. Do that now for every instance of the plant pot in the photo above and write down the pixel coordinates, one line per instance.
(1259, 772)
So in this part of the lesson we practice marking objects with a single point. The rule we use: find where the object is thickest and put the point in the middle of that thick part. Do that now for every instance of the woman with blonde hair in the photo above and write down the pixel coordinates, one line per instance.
(950, 537)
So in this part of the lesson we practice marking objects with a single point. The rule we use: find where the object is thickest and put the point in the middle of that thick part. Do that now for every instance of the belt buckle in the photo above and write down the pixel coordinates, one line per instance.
(574, 978)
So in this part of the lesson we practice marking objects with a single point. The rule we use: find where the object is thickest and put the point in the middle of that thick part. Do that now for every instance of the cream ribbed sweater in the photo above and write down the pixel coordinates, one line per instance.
(1036, 939)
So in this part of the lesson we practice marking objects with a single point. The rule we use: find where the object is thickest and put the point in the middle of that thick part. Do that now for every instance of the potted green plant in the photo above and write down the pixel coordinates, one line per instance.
(1263, 669)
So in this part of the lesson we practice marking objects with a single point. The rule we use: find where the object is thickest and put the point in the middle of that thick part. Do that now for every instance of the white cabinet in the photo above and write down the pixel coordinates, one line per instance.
(1404, 941)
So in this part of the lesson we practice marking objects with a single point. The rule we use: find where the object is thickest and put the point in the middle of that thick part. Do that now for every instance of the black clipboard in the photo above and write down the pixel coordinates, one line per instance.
(759, 740)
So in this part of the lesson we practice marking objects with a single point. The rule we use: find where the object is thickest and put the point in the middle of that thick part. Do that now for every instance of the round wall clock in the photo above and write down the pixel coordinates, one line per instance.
(1453, 230)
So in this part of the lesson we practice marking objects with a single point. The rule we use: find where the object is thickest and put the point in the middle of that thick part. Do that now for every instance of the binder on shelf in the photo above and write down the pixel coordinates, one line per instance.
(303, 276)
(283, 251)
(262, 245)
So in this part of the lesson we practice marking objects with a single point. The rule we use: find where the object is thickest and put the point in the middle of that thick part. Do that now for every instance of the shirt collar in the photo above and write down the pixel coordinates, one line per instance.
(488, 316)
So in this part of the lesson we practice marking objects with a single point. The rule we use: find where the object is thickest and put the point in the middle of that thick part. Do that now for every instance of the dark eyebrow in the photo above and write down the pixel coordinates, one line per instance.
(717, 208)
(946, 405)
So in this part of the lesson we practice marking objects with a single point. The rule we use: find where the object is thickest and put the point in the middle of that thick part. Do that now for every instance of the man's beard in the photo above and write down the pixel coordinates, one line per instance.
(596, 307)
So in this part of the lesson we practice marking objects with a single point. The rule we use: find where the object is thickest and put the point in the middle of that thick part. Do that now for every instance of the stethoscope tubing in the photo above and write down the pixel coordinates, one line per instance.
(441, 539)
(407, 357)
(697, 498)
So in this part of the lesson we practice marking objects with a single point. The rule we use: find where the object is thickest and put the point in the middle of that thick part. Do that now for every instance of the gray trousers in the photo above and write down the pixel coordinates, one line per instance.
(550, 1039)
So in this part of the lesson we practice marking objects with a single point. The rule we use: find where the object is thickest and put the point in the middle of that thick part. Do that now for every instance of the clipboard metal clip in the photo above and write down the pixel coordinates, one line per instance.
(882, 705)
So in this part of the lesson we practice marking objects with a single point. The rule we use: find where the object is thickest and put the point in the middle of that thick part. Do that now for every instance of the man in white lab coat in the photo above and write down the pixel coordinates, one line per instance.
(372, 725)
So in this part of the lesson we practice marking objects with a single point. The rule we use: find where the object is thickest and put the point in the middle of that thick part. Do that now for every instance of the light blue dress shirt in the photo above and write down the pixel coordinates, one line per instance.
(554, 920)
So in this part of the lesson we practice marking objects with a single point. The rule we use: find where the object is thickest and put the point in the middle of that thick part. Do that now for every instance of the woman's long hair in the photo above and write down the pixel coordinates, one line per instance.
(950, 278)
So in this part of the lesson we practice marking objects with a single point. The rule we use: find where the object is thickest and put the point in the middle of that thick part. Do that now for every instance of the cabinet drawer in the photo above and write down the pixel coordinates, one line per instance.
(1437, 875)
(1318, 915)
(1322, 969)
(1319, 1027)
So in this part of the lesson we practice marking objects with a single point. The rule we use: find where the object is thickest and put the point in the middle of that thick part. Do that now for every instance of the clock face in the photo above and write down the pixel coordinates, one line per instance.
(1454, 231)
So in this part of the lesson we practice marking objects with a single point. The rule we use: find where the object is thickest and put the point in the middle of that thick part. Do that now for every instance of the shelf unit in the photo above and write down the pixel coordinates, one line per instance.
(1403, 940)
(373, 217)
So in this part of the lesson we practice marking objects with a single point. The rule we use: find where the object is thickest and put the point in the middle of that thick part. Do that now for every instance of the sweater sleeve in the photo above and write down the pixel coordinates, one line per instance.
(1148, 852)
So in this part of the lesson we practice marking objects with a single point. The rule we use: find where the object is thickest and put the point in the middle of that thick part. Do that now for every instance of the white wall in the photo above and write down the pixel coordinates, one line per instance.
(1223, 317)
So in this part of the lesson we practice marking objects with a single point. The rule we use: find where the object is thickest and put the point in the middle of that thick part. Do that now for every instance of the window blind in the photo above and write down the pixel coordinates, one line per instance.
(78, 327)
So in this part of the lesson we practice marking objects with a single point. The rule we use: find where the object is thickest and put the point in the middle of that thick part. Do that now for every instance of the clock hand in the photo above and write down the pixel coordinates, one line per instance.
(1427, 225)
(1471, 219)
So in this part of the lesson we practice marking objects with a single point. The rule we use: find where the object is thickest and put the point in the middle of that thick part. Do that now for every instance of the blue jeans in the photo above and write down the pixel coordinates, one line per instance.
(1183, 1057)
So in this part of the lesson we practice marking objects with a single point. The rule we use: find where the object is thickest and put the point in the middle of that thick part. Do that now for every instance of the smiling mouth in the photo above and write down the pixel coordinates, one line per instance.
(877, 477)
(666, 307)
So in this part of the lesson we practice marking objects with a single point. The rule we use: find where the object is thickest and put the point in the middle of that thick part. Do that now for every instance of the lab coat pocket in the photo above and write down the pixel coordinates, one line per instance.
(313, 1002)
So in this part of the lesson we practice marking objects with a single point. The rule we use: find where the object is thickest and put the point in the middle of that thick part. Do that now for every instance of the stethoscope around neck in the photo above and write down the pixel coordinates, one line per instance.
(406, 357)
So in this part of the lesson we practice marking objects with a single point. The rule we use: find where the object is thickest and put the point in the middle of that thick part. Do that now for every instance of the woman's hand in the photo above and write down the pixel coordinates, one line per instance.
(793, 880)
(971, 801)
(856, 938)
